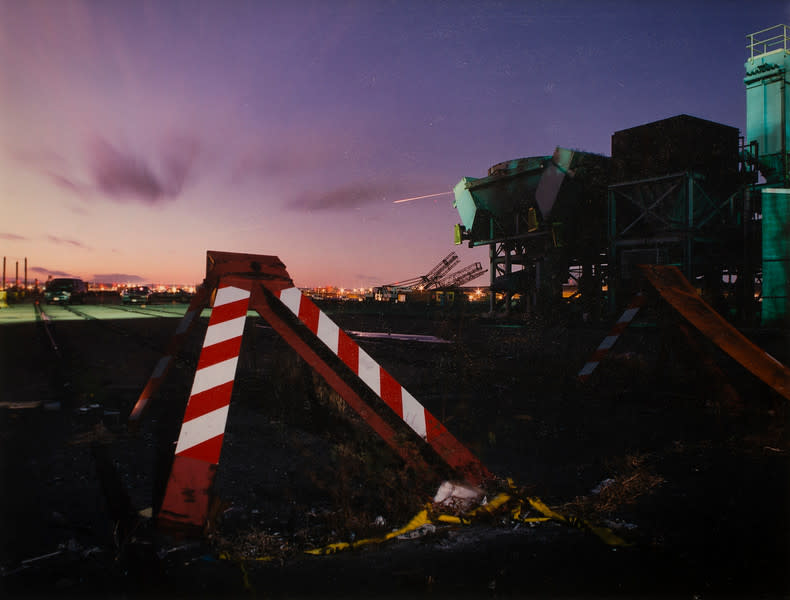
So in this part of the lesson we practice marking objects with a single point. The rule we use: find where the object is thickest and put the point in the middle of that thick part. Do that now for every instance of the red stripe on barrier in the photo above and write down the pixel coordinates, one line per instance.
(216, 353)
(232, 310)
(205, 402)
(391, 392)
(433, 428)
(207, 451)
(308, 314)
(348, 351)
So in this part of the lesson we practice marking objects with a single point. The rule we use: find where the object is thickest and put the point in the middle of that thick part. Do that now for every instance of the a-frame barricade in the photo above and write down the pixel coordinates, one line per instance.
(242, 282)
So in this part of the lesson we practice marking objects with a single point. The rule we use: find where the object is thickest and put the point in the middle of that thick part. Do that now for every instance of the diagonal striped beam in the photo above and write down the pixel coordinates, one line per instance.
(384, 385)
(611, 339)
(200, 439)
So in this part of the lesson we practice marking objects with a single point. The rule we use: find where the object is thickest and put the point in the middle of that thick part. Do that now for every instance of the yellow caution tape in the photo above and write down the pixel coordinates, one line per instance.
(423, 518)
(607, 536)
(419, 520)
(427, 516)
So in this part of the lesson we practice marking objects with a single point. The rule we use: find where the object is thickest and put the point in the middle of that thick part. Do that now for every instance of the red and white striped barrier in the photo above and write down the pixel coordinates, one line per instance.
(610, 340)
(414, 414)
(200, 440)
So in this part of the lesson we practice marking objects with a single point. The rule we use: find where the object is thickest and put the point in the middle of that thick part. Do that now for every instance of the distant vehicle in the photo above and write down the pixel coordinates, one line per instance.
(182, 295)
(139, 294)
(65, 290)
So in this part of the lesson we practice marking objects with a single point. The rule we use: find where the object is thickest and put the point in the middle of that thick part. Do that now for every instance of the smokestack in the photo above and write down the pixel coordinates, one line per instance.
(16, 280)
(26, 272)
(4, 272)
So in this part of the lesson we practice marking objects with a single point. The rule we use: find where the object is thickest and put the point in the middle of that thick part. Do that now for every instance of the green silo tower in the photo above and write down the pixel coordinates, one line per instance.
(767, 123)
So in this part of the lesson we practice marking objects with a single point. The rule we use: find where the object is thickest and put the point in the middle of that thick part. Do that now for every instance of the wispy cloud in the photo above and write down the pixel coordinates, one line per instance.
(345, 197)
(12, 237)
(122, 175)
(69, 184)
(117, 277)
(53, 272)
(67, 242)
(293, 153)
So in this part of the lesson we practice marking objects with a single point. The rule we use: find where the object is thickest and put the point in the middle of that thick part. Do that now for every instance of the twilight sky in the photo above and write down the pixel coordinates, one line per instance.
(136, 135)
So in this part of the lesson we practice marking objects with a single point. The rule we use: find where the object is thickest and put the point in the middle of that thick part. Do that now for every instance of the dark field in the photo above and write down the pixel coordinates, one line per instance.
(691, 472)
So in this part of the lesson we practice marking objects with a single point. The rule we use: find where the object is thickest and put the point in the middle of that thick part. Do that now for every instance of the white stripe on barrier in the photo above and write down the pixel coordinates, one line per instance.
(608, 342)
(369, 372)
(227, 330)
(588, 369)
(291, 297)
(628, 315)
(230, 294)
(414, 414)
(202, 428)
(328, 331)
(214, 375)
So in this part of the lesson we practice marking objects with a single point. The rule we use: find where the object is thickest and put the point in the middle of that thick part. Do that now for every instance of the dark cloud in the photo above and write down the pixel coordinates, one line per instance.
(345, 197)
(66, 242)
(123, 176)
(119, 277)
(12, 237)
(53, 273)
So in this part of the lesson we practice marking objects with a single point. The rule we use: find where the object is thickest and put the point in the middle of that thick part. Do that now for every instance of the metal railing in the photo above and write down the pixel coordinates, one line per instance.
(768, 40)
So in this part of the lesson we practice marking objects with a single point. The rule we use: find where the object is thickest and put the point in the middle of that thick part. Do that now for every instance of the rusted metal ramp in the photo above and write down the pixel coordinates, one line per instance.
(675, 289)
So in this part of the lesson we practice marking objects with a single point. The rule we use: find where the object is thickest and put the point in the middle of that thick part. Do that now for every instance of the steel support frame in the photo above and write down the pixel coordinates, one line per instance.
(654, 225)
(532, 251)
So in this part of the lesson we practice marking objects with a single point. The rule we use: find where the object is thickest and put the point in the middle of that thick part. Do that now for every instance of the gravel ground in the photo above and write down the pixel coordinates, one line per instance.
(696, 482)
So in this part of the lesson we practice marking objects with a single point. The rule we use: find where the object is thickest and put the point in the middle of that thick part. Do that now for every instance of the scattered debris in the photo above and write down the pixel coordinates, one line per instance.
(457, 495)
(602, 486)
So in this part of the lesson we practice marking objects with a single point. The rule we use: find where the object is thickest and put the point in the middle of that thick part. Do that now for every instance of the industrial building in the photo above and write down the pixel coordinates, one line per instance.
(680, 191)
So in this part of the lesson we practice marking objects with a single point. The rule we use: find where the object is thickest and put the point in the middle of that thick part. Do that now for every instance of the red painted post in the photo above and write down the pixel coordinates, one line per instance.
(610, 340)
(187, 496)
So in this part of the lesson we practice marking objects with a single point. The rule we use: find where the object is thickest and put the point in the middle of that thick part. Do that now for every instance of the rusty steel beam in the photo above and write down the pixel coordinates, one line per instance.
(197, 304)
(675, 289)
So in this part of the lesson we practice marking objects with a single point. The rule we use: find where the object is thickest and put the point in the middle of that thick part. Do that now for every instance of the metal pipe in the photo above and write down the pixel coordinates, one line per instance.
(783, 100)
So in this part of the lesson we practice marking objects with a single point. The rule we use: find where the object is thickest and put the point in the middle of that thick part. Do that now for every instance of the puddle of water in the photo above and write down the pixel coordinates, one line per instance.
(407, 337)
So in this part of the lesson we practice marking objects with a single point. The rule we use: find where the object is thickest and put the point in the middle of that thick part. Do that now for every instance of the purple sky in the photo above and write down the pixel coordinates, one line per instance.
(135, 135)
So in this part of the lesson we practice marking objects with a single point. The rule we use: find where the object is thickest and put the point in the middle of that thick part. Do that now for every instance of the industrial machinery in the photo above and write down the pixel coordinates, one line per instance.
(439, 277)
(681, 191)
(540, 216)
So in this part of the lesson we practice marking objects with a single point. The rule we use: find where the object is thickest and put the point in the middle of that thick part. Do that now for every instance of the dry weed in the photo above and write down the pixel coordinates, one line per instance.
(632, 479)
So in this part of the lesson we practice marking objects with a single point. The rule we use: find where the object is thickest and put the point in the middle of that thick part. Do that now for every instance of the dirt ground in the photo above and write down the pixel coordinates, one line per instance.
(689, 466)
